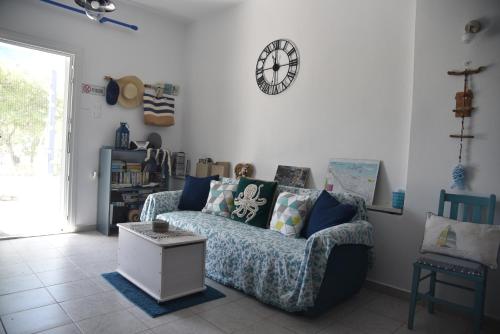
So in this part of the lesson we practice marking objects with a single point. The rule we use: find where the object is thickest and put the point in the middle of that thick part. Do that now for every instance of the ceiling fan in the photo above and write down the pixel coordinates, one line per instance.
(95, 9)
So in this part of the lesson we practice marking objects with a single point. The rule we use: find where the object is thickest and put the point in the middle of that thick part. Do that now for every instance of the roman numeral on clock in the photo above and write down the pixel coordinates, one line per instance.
(260, 81)
(264, 87)
(285, 46)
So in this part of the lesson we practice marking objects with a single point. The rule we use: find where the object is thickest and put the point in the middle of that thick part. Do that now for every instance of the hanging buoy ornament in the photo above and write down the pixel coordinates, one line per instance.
(458, 177)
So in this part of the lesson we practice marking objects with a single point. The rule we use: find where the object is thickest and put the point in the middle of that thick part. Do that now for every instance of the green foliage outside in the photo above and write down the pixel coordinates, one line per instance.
(23, 116)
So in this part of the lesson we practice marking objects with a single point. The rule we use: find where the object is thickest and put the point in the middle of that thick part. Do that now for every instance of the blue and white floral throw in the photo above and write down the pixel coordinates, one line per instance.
(284, 272)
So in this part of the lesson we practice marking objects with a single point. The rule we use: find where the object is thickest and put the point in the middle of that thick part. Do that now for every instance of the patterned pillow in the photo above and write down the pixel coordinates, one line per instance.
(253, 202)
(220, 200)
(290, 213)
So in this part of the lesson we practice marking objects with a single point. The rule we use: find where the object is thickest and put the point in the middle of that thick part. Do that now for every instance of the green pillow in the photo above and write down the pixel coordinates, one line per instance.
(252, 201)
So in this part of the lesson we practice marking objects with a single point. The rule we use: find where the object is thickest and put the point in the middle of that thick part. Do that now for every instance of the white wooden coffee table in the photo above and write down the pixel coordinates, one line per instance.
(164, 265)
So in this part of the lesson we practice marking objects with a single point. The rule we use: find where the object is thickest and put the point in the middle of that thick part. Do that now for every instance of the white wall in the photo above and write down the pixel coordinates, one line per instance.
(351, 98)
(155, 53)
(367, 69)
(438, 48)
(372, 84)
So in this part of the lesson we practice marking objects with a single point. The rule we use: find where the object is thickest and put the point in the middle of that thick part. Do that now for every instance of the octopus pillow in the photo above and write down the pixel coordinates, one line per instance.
(289, 214)
(220, 200)
(252, 202)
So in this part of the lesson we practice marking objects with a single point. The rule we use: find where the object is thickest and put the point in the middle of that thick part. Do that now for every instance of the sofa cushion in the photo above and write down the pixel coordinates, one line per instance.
(289, 214)
(220, 200)
(327, 212)
(253, 201)
(313, 194)
(195, 193)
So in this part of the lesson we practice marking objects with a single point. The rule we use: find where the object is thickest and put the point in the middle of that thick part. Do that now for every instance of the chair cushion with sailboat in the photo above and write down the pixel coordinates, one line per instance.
(463, 249)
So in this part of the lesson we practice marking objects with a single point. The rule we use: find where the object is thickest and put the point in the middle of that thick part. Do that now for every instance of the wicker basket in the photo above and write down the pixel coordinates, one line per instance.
(160, 226)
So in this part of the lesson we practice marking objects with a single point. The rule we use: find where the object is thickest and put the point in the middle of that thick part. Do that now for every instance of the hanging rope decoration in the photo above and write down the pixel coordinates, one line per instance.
(463, 109)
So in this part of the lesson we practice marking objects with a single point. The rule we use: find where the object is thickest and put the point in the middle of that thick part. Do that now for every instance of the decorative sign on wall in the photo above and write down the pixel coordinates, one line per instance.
(92, 89)
(277, 66)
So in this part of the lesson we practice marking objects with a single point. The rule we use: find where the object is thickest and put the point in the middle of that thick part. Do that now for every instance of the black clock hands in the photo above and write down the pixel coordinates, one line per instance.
(272, 68)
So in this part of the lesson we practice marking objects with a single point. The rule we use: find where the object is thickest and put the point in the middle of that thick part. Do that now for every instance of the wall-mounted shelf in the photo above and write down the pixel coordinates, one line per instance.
(384, 209)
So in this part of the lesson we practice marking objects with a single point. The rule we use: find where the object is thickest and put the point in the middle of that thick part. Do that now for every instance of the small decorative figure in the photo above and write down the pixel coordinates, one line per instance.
(243, 169)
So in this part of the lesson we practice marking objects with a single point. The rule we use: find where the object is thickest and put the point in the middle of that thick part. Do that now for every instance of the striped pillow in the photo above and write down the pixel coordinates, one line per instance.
(159, 110)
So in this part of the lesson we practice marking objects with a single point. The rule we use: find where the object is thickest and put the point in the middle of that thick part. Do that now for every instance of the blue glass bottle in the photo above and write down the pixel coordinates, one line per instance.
(122, 136)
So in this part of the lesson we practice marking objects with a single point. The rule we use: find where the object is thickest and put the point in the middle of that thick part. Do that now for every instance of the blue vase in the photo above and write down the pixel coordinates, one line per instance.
(398, 199)
(122, 136)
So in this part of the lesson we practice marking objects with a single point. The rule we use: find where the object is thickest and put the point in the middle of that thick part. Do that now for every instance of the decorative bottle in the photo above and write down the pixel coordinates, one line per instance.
(122, 136)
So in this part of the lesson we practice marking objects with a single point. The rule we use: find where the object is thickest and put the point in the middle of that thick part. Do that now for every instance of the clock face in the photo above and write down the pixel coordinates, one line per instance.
(277, 66)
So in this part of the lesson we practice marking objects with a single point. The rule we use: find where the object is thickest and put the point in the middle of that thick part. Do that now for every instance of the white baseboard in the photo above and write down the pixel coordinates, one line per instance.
(405, 294)
(84, 228)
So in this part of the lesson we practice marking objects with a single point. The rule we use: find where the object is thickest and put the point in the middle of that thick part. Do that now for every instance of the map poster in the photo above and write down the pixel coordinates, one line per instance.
(358, 177)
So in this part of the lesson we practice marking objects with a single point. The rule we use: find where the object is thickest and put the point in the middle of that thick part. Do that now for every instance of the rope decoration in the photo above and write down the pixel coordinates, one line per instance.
(458, 172)
(463, 109)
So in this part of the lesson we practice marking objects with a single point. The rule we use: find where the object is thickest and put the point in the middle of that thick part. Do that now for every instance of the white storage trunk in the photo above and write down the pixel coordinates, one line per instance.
(166, 268)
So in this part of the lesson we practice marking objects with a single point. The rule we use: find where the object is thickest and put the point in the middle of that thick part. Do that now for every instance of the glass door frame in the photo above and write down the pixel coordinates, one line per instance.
(69, 178)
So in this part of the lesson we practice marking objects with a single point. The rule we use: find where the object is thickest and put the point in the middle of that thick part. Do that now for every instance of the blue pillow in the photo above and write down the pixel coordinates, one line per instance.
(195, 193)
(327, 212)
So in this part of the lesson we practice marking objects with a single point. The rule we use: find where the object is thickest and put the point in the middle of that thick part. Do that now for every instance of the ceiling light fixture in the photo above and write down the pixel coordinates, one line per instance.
(95, 9)
(471, 28)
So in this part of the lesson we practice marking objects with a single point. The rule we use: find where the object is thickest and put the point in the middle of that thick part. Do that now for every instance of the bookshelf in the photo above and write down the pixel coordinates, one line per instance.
(123, 187)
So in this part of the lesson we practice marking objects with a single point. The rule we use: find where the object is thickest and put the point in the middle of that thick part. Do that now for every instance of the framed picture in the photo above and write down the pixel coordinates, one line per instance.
(292, 176)
(358, 177)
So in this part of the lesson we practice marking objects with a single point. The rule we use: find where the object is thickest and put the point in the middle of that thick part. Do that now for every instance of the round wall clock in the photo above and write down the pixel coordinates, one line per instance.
(277, 66)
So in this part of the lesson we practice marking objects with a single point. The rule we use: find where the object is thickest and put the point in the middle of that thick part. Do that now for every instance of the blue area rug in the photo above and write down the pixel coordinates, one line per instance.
(149, 305)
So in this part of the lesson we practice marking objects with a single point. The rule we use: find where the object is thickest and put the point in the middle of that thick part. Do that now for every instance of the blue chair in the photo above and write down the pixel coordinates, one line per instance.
(473, 208)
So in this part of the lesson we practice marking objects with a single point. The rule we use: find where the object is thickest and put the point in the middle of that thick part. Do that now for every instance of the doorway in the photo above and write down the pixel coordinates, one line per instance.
(35, 109)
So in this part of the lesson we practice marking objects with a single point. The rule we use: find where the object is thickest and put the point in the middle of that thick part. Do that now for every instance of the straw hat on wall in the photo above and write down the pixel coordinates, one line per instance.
(131, 91)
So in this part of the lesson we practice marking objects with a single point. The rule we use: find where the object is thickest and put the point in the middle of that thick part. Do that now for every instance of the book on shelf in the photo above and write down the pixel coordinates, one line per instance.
(132, 178)
(179, 165)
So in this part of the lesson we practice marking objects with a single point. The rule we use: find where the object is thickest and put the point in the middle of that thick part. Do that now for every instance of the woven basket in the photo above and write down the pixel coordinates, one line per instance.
(160, 226)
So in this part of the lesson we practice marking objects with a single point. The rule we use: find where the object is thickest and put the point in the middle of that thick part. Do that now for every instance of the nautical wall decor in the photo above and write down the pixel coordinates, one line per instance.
(277, 66)
(463, 109)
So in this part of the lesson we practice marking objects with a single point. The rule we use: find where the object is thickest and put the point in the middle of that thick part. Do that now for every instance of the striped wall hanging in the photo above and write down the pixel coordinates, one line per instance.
(159, 110)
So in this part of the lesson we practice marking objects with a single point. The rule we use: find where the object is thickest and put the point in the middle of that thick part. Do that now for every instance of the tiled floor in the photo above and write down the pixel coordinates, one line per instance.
(53, 285)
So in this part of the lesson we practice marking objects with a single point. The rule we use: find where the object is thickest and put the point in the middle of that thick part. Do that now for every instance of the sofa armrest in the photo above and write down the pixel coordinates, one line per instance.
(359, 232)
(161, 202)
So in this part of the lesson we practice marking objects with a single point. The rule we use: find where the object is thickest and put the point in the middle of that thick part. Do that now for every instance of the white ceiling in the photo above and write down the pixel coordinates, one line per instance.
(190, 10)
